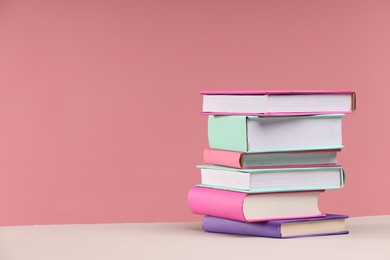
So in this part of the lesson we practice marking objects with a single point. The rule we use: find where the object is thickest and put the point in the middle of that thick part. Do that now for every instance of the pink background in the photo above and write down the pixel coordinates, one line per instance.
(99, 102)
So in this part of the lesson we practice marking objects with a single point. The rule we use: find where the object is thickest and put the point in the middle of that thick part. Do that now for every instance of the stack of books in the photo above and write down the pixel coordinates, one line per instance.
(271, 154)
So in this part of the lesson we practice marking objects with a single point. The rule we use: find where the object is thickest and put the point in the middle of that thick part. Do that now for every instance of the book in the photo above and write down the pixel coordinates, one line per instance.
(275, 134)
(331, 224)
(278, 102)
(253, 207)
(272, 180)
(270, 159)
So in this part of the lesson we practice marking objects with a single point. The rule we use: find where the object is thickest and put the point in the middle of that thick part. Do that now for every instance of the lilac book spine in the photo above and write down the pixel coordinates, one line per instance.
(222, 225)
(261, 229)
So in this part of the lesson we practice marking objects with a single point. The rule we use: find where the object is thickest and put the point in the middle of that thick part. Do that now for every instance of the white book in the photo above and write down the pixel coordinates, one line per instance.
(278, 102)
(272, 179)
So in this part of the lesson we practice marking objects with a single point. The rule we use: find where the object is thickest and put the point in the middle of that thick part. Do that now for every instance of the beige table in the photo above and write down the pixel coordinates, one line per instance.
(369, 239)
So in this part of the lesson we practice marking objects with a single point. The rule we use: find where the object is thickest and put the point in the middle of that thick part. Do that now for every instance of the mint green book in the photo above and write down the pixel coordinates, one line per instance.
(272, 179)
(275, 134)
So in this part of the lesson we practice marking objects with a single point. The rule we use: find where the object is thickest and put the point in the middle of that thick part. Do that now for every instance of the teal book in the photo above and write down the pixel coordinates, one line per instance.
(272, 179)
(275, 133)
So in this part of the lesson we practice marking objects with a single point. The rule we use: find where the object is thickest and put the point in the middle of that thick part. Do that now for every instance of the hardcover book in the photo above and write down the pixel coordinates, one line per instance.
(272, 180)
(275, 134)
(278, 102)
(270, 159)
(253, 207)
(331, 224)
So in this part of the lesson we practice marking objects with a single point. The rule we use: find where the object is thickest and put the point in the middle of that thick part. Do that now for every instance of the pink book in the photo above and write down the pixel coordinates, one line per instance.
(253, 207)
(243, 160)
(278, 102)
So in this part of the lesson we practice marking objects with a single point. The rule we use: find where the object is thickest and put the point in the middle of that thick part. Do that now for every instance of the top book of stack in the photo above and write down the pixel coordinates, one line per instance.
(278, 102)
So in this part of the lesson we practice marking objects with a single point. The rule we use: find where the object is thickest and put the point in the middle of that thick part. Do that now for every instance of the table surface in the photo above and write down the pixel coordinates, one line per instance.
(369, 238)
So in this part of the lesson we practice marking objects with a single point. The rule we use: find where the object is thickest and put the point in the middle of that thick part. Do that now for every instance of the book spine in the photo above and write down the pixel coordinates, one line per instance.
(218, 203)
(228, 133)
(222, 157)
(227, 226)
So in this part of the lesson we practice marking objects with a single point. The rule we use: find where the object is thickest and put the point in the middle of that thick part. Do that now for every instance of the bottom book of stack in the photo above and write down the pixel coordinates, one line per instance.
(331, 224)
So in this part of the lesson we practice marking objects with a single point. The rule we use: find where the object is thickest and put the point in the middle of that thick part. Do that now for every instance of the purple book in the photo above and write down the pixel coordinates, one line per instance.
(331, 224)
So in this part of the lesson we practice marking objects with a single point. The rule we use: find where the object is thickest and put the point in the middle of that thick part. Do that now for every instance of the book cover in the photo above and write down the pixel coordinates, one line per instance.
(274, 228)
